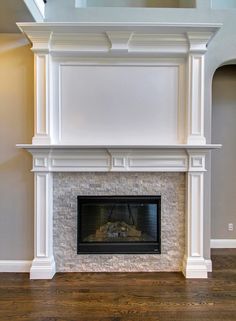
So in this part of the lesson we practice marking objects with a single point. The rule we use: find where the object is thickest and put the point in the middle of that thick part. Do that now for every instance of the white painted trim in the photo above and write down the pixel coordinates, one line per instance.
(223, 243)
(177, 63)
(41, 100)
(36, 8)
(169, 26)
(209, 265)
(43, 268)
(153, 39)
(195, 268)
(115, 159)
(126, 147)
(43, 265)
(15, 266)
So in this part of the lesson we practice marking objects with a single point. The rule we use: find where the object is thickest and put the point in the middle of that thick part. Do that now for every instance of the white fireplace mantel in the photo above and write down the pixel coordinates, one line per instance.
(119, 97)
(176, 158)
(162, 158)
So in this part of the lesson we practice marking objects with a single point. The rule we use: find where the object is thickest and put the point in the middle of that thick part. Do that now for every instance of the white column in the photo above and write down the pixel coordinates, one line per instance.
(43, 266)
(195, 87)
(194, 265)
(41, 102)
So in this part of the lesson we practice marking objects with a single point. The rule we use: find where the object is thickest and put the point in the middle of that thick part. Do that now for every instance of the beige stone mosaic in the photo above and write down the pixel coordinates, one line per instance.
(67, 186)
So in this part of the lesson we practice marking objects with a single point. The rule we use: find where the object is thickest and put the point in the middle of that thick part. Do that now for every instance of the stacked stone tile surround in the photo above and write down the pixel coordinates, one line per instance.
(67, 186)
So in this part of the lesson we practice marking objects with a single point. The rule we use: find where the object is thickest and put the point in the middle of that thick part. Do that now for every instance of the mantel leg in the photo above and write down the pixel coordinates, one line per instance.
(43, 266)
(194, 265)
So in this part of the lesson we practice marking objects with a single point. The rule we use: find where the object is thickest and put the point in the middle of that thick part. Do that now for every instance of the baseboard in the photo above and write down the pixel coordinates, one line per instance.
(194, 268)
(223, 243)
(15, 266)
(208, 265)
(42, 268)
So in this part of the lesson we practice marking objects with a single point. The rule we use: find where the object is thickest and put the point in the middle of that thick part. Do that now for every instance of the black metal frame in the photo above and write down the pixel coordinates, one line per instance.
(124, 247)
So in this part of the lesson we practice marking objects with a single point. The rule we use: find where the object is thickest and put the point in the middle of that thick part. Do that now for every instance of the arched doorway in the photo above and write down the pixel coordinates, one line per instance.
(223, 200)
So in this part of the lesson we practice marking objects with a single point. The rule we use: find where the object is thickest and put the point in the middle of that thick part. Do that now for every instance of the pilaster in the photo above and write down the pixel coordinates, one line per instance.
(43, 266)
(194, 265)
(41, 103)
(195, 87)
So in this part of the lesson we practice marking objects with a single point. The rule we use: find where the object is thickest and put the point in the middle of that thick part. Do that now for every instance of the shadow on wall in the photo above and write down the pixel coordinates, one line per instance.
(16, 126)
(223, 163)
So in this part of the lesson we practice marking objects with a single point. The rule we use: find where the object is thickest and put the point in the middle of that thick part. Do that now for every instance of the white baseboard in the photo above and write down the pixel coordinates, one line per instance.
(208, 265)
(223, 243)
(15, 266)
(43, 268)
(194, 268)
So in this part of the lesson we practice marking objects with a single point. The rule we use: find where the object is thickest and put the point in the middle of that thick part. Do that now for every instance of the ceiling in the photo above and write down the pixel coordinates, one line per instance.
(12, 11)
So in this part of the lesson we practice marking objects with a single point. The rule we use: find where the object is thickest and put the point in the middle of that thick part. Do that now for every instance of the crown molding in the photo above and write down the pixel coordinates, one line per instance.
(111, 38)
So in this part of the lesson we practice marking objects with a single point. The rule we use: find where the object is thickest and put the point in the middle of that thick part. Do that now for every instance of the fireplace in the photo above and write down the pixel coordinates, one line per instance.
(113, 99)
(119, 224)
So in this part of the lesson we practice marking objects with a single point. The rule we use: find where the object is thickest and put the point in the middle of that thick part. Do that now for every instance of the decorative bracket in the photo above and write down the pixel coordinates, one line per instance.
(119, 40)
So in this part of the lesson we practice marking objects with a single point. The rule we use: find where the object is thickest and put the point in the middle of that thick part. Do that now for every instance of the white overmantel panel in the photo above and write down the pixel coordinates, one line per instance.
(116, 83)
(116, 105)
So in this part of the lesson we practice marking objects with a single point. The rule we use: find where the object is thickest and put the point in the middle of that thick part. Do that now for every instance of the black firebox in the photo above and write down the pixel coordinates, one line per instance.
(119, 224)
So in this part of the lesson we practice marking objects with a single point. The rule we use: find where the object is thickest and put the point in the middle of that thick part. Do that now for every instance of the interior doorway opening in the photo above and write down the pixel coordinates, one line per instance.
(223, 199)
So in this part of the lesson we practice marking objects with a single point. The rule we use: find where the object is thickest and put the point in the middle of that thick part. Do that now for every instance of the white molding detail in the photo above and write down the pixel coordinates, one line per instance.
(43, 266)
(198, 41)
(119, 40)
(178, 64)
(209, 265)
(195, 268)
(195, 100)
(15, 266)
(136, 159)
(197, 160)
(223, 243)
(42, 108)
(152, 39)
(194, 265)
(41, 41)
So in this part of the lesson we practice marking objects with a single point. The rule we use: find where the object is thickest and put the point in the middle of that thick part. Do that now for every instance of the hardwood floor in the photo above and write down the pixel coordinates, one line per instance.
(123, 296)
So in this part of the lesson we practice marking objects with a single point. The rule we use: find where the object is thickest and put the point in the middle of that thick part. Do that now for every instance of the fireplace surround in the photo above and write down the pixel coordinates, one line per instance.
(67, 187)
(117, 99)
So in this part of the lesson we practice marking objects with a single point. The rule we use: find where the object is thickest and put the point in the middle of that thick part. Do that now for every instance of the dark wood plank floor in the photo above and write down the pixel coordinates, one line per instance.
(123, 296)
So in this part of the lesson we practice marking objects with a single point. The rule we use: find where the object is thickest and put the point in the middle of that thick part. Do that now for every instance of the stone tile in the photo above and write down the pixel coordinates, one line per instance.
(67, 186)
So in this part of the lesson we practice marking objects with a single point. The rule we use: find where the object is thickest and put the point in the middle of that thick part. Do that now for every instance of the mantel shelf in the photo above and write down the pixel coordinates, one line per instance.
(158, 158)
(126, 147)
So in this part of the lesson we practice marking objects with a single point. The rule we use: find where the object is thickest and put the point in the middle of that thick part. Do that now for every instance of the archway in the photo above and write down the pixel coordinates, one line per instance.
(223, 200)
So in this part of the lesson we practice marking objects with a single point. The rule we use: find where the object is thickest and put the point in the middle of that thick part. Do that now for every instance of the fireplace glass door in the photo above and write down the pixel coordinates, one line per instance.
(119, 224)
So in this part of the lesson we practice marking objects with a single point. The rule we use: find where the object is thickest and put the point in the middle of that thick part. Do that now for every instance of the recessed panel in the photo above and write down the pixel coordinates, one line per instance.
(119, 105)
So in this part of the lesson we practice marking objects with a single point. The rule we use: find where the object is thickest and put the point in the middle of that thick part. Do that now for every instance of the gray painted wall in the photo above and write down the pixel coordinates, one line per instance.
(16, 102)
(16, 126)
(12, 11)
(223, 164)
